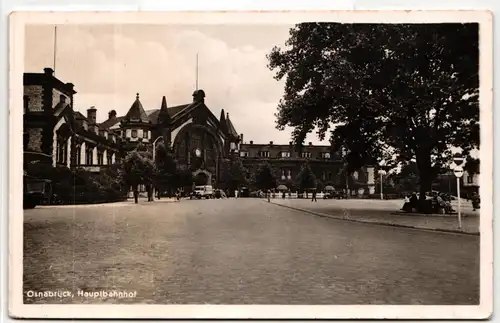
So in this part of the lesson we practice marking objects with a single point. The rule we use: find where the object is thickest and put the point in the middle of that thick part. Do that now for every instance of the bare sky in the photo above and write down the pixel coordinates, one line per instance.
(109, 64)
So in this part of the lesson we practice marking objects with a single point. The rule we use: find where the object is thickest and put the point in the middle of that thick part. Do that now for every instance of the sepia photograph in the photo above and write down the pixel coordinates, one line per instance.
(206, 162)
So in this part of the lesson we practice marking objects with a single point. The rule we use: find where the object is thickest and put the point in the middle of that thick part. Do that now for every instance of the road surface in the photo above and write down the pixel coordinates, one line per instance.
(243, 251)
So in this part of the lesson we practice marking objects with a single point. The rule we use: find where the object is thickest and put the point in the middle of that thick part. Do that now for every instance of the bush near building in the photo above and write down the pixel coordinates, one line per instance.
(77, 186)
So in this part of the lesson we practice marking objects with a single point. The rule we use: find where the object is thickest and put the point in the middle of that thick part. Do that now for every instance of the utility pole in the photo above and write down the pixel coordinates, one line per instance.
(55, 49)
(196, 71)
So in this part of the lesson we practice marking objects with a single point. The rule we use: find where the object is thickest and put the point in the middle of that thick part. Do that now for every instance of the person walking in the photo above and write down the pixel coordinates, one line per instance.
(314, 196)
(269, 195)
(136, 195)
(150, 193)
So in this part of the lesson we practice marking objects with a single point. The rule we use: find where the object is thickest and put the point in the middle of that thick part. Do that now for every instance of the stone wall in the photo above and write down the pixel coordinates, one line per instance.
(35, 97)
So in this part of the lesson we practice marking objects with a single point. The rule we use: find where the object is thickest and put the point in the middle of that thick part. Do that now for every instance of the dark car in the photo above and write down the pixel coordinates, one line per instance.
(36, 192)
(328, 195)
(244, 192)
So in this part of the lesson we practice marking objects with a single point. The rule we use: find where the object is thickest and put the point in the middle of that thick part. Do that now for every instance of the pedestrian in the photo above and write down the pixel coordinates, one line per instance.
(150, 193)
(269, 195)
(314, 196)
(178, 195)
(136, 195)
(235, 193)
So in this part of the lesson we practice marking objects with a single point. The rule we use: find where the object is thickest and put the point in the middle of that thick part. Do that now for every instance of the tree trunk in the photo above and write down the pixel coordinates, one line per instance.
(425, 177)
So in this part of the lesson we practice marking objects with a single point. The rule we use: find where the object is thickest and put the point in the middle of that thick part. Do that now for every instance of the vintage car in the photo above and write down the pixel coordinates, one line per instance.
(36, 191)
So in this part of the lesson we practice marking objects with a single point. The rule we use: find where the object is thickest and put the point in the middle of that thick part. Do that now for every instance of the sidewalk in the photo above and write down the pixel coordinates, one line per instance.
(384, 213)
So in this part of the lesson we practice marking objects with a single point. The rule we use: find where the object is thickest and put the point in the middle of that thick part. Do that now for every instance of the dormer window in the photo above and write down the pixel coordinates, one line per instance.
(145, 134)
(264, 154)
(285, 154)
(306, 154)
(325, 155)
(243, 153)
(134, 133)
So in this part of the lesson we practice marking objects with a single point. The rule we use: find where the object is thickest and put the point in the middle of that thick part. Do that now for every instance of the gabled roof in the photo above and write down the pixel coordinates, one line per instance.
(78, 115)
(153, 114)
(136, 112)
(230, 127)
(111, 122)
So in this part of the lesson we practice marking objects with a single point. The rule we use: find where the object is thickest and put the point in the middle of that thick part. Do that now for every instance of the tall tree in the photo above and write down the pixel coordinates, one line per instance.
(265, 177)
(393, 92)
(472, 165)
(234, 174)
(167, 168)
(305, 178)
(137, 169)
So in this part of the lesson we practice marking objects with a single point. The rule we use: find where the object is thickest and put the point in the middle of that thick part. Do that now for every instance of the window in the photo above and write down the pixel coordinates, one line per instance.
(88, 156)
(283, 172)
(264, 154)
(323, 176)
(306, 155)
(134, 133)
(61, 151)
(243, 154)
(325, 155)
(285, 154)
(145, 134)
(78, 155)
(110, 158)
(289, 174)
(232, 145)
(100, 158)
(470, 179)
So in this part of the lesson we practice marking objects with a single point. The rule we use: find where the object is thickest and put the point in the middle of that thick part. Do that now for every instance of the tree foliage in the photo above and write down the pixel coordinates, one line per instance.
(305, 178)
(234, 174)
(472, 165)
(137, 168)
(393, 92)
(265, 177)
(407, 179)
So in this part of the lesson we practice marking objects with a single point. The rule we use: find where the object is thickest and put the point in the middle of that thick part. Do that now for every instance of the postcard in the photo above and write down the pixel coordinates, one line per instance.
(262, 165)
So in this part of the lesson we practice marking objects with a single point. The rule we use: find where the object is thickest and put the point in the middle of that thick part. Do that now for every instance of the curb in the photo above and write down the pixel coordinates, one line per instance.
(323, 215)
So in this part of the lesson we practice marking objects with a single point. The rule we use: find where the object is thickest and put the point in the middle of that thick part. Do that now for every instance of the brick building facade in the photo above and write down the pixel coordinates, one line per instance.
(201, 141)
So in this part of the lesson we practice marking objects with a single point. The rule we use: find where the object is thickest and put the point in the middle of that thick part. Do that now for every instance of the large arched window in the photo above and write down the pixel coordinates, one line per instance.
(192, 140)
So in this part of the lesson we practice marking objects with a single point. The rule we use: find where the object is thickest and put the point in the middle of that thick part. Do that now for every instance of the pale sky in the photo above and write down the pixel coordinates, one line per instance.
(109, 64)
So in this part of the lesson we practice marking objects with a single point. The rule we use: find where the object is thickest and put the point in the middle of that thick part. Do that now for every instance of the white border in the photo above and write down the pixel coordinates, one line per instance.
(17, 309)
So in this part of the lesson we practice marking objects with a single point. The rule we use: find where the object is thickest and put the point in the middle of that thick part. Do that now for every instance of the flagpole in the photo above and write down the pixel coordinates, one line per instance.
(196, 71)
(55, 48)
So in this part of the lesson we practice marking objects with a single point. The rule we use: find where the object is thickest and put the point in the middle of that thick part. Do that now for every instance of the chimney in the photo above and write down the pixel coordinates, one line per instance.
(310, 143)
(48, 71)
(271, 143)
(251, 142)
(70, 86)
(92, 115)
(290, 143)
(62, 98)
(111, 114)
(241, 138)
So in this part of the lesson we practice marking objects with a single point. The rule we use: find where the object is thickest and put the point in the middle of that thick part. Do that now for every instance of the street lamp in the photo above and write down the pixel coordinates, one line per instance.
(382, 172)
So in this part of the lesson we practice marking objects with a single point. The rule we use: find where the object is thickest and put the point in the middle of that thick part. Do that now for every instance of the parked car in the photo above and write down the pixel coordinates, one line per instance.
(203, 192)
(36, 192)
(244, 192)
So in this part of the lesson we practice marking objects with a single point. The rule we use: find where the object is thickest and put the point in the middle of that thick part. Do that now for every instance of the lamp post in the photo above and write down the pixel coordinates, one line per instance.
(382, 173)
(459, 160)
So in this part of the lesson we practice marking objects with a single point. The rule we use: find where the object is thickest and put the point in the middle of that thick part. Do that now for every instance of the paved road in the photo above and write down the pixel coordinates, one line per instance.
(240, 252)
